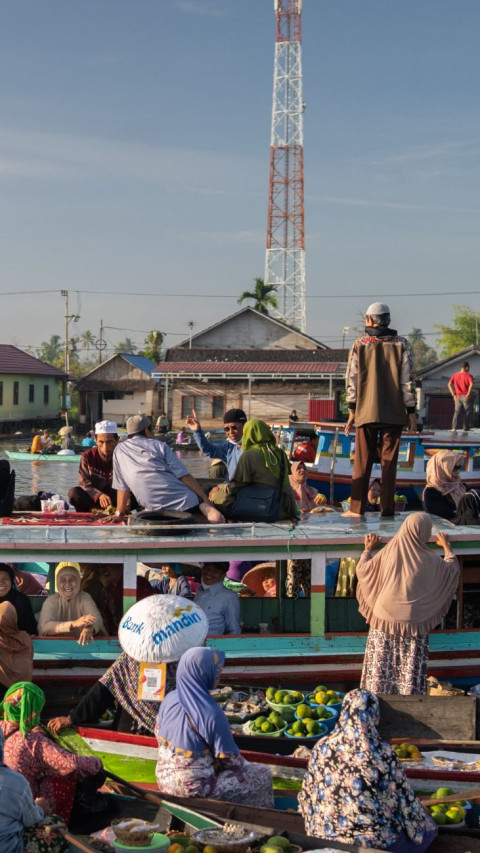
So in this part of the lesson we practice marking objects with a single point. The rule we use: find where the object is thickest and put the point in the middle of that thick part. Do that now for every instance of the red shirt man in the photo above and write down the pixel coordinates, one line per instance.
(461, 389)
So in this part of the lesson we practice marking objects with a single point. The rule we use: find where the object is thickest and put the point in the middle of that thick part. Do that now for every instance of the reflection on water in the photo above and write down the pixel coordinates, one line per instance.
(59, 477)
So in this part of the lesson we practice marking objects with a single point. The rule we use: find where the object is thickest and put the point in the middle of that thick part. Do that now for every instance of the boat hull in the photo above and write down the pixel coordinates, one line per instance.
(25, 456)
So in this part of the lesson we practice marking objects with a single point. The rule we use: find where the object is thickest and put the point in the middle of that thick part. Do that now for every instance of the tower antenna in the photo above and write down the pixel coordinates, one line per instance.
(285, 254)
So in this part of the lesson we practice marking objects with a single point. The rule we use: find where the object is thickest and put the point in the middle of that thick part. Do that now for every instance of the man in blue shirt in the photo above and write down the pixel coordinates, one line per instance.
(228, 451)
(221, 605)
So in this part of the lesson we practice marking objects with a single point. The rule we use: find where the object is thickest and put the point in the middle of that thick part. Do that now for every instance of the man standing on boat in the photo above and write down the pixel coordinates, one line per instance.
(381, 399)
(461, 389)
(228, 451)
(95, 472)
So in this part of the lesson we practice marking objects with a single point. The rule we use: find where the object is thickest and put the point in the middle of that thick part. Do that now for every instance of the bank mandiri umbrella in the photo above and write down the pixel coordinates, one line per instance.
(160, 628)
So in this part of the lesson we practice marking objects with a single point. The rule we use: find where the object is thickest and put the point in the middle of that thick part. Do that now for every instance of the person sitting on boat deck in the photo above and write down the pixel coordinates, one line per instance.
(197, 755)
(16, 649)
(21, 602)
(228, 451)
(70, 612)
(355, 790)
(117, 690)
(373, 495)
(95, 472)
(307, 497)
(403, 592)
(221, 604)
(182, 437)
(158, 479)
(170, 580)
(380, 396)
(261, 581)
(260, 463)
(162, 425)
(444, 489)
(110, 601)
(23, 820)
(89, 439)
(42, 443)
(51, 771)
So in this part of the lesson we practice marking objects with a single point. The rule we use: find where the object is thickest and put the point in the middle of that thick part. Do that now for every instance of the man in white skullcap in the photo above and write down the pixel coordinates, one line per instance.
(95, 473)
(381, 402)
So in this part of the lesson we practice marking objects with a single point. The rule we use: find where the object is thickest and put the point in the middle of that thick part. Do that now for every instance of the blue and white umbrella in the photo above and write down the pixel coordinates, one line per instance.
(159, 629)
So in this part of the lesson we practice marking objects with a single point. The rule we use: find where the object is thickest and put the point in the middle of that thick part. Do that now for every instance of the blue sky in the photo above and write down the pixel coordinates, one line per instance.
(134, 156)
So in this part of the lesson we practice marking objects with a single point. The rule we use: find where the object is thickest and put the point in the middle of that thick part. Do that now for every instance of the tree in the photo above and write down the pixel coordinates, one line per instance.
(423, 355)
(126, 346)
(153, 344)
(262, 295)
(463, 332)
(88, 339)
(51, 351)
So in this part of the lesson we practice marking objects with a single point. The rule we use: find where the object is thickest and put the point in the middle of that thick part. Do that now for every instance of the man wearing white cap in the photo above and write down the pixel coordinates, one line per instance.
(95, 474)
(381, 399)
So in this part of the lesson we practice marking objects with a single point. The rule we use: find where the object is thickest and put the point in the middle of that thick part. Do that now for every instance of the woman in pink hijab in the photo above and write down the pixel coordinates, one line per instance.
(403, 592)
(306, 496)
(444, 489)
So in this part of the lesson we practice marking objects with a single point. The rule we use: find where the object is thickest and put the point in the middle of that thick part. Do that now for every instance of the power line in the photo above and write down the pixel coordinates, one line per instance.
(197, 295)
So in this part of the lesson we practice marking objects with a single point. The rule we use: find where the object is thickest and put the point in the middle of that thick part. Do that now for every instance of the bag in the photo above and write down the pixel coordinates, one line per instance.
(257, 502)
(468, 509)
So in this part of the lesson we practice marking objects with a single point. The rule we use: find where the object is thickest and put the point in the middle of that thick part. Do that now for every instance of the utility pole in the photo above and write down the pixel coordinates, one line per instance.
(66, 357)
(100, 343)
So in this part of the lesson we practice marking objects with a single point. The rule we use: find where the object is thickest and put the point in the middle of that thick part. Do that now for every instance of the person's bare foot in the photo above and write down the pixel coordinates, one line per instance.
(350, 514)
(211, 513)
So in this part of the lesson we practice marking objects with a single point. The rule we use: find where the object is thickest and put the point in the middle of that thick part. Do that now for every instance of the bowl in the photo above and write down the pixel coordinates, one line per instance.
(134, 832)
(310, 700)
(323, 731)
(276, 733)
(329, 721)
(159, 844)
(287, 711)
(226, 842)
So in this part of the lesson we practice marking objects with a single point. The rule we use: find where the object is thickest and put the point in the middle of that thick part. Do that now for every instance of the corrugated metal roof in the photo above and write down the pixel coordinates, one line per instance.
(216, 368)
(15, 360)
(140, 362)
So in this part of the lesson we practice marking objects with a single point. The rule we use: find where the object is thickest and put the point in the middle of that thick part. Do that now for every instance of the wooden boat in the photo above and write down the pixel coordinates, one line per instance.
(26, 456)
(332, 469)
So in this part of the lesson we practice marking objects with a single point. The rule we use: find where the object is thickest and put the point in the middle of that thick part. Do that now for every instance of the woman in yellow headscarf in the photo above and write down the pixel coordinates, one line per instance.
(70, 611)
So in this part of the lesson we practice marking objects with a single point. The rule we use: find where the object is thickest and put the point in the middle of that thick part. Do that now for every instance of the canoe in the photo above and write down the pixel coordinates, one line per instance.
(25, 456)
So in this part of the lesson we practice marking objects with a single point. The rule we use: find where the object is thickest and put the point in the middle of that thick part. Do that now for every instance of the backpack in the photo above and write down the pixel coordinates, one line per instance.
(7, 488)
(468, 509)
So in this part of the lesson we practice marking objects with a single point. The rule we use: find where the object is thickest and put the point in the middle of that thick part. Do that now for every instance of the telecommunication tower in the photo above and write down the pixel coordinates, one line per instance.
(285, 254)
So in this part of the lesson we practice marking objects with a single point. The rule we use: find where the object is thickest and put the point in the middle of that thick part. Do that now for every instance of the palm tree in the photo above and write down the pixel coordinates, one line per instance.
(126, 346)
(262, 295)
(153, 345)
(88, 339)
(51, 351)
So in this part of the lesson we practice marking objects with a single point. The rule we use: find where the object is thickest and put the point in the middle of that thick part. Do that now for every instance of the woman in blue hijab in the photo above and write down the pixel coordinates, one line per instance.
(197, 756)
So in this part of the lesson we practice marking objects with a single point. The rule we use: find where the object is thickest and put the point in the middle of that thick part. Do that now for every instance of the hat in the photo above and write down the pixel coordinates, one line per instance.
(235, 416)
(377, 308)
(137, 423)
(106, 428)
(254, 577)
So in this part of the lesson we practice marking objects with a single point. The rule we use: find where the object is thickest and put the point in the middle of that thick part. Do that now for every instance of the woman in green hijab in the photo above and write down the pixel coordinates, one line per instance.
(260, 463)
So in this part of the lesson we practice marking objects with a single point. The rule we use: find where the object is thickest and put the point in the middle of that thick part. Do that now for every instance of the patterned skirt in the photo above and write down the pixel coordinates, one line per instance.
(395, 664)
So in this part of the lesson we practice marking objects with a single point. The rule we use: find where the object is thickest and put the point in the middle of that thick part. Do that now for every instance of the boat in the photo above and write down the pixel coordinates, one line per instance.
(26, 456)
(332, 468)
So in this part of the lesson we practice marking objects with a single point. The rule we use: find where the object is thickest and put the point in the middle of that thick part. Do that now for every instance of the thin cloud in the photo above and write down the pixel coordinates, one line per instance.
(390, 205)
(196, 7)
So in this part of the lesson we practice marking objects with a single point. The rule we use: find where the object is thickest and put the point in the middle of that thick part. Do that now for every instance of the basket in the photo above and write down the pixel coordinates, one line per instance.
(329, 721)
(276, 733)
(436, 688)
(134, 832)
(323, 731)
(237, 841)
(287, 711)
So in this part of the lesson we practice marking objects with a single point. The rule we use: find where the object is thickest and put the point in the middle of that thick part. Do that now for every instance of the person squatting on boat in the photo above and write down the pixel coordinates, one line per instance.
(197, 755)
(381, 397)
(355, 790)
(51, 772)
(228, 451)
(70, 611)
(95, 472)
(403, 592)
(444, 489)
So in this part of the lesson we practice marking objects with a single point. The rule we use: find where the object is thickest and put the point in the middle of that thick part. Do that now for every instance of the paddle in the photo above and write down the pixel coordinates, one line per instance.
(471, 794)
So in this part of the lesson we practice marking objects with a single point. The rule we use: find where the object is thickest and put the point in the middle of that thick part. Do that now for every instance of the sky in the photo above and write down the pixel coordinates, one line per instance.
(134, 162)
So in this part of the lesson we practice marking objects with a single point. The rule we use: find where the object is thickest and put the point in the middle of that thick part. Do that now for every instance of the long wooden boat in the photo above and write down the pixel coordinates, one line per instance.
(333, 466)
(26, 456)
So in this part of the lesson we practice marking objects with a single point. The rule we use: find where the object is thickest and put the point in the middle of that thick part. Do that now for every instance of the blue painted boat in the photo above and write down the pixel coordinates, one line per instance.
(26, 456)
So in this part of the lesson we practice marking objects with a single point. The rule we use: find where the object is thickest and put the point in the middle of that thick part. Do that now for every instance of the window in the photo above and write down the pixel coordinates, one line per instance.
(31, 393)
(46, 394)
(218, 407)
(204, 405)
(16, 392)
(1, 393)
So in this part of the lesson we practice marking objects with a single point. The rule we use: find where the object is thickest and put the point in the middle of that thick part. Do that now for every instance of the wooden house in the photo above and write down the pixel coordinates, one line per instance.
(30, 389)
(435, 399)
(121, 386)
(254, 362)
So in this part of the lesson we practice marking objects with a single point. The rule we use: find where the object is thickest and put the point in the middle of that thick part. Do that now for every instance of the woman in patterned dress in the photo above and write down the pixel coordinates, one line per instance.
(51, 771)
(355, 790)
(197, 756)
(403, 592)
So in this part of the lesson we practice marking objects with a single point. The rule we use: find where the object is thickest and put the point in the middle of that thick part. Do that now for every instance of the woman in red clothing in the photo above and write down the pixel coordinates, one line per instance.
(51, 771)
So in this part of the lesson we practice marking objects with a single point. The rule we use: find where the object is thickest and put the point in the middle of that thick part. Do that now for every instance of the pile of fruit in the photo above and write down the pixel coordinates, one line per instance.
(323, 696)
(306, 712)
(305, 728)
(276, 844)
(447, 812)
(186, 844)
(283, 697)
(408, 752)
(267, 725)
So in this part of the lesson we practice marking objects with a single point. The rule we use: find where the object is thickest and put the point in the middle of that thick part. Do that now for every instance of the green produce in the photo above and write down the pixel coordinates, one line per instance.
(280, 841)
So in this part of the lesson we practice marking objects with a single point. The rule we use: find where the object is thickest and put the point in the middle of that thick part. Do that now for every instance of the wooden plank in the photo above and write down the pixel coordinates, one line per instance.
(443, 717)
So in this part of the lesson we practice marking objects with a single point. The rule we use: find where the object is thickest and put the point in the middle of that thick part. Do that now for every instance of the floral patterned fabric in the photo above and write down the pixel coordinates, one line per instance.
(395, 664)
(236, 780)
(355, 789)
(39, 839)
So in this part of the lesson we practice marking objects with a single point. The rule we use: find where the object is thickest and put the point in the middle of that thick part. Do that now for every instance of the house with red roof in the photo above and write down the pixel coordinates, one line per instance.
(30, 389)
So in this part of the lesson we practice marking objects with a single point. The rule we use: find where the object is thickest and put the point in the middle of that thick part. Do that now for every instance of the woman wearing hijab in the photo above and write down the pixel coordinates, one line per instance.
(197, 756)
(21, 602)
(16, 649)
(70, 611)
(51, 771)
(355, 790)
(260, 463)
(22, 819)
(403, 592)
(444, 490)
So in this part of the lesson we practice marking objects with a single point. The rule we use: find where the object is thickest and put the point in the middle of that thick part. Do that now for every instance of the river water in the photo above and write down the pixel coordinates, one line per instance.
(59, 477)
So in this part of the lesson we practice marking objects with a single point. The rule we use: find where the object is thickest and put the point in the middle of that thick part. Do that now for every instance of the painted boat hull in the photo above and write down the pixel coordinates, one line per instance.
(25, 456)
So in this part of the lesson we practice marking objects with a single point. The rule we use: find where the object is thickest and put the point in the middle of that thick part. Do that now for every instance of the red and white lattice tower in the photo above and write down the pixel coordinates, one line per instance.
(285, 255)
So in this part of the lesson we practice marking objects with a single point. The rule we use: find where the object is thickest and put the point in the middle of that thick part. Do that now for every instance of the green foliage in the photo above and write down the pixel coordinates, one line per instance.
(153, 346)
(423, 355)
(52, 351)
(262, 295)
(126, 346)
(463, 332)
